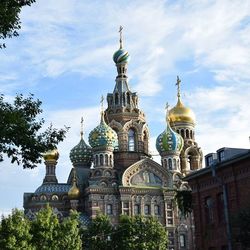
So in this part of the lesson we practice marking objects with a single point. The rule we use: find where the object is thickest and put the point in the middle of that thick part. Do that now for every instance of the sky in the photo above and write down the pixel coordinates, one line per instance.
(64, 57)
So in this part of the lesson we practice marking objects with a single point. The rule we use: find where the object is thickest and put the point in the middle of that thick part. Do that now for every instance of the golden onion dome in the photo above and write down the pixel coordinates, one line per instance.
(180, 113)
(74, 191)
(51, 155)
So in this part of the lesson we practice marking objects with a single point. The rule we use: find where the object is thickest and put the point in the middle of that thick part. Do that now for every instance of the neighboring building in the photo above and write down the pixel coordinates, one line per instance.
(116, 174)
(226, 177)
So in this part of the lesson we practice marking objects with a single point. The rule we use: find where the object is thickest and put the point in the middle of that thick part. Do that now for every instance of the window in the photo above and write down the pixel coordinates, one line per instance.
(136, 209)
(220, 207)
(147, 210)
(101, 160)
(170, 221)
(222, 155)
(157, 209)
(209, 210)
(170, 164)
(209, 160)
(182, 240)
(131, 140)
(109, 209)
(116, 98)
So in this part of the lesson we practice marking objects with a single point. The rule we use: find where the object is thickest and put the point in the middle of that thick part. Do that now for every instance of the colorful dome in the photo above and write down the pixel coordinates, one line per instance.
(121, 56)
(169, 141)
(51, 155)
(180, 113)
(81, 154)
(103, 135)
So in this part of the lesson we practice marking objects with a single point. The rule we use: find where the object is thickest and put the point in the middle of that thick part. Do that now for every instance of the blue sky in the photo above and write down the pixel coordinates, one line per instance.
(64, 57)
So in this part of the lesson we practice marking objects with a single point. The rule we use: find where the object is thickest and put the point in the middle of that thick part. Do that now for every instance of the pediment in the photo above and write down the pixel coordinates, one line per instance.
(146, 173)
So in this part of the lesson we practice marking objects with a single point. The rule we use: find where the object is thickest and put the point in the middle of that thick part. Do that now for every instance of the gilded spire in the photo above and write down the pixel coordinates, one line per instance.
(120, 31)
(178, 83)
(81, 132)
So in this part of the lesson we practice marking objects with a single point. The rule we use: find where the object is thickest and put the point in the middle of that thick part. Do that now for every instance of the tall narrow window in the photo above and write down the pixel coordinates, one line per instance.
(209, 210)
(147, 209)
(136, 209)
(170, 167)
(101, 160)
(220, 207)
(106, 160)
(182, 240)
(116, 98)
(131, 140)
(109, 209)
(128, 98)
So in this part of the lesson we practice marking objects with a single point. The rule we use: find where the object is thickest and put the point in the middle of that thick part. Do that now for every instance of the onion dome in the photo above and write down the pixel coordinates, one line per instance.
(180, 113)
(74, 191)
(169, 141)
(121, 56)
(103, 135)
(51, 155)
(81, 154)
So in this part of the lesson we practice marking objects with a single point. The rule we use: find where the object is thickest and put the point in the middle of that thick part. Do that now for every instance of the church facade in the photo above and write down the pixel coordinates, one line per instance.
(116, 174)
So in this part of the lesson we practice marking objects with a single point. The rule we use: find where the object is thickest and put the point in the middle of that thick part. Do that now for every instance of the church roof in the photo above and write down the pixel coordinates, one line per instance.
(53, 188)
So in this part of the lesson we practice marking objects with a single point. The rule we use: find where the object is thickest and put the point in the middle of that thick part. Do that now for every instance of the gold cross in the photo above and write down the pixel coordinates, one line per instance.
(102, 100)
(120, 31)
(167, 107)
(178, 83)
(81, 128)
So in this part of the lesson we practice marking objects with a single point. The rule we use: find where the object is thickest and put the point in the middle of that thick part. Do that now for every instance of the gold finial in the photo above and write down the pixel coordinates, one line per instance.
(120, 31)
(81, 132)
(178, 83)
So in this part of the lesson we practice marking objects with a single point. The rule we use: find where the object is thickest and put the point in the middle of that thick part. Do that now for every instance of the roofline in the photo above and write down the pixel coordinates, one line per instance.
(218, 165)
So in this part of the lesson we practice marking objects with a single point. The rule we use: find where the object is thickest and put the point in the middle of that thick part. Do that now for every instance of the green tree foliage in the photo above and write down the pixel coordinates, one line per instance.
(98, 234)
(140, 233)
(45, 230)
(184, 201)
(15, 232)
(9, 18)
(20, 136)
(241, 225)
(69, 233)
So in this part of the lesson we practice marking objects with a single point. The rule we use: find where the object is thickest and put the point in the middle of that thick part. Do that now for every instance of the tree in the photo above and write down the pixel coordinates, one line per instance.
(140, 233)
(20, 136)
(9, 18)
(69, 233)
(45, 230)
(15, 232)
(184, 201)
(98, 234)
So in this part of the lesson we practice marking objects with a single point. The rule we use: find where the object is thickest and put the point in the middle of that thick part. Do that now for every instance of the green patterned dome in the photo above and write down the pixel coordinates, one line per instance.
(103, 135)
(169, 141)
(81, 154)
(121, 56)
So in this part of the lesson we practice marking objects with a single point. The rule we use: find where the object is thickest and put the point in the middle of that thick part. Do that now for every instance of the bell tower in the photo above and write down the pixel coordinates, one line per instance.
(182, 120)
(124, 115)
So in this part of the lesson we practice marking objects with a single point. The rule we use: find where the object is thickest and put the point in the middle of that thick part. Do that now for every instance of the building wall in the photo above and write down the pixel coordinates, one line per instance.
(210, 225)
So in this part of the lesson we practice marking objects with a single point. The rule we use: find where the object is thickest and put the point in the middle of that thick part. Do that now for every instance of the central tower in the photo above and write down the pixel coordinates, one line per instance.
(124, 116)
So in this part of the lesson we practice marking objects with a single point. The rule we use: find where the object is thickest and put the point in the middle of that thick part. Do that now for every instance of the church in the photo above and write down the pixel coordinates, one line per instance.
(115, 173)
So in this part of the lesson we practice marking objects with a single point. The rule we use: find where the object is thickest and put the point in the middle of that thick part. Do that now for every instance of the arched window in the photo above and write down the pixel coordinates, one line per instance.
(96, 160)
(110, 160)
(123, 99)
(128, 98)
(131, 140)
(116, 98)
(187, 133)
(101, 160)
(170, 167)
(182, 133)
(106, 159)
